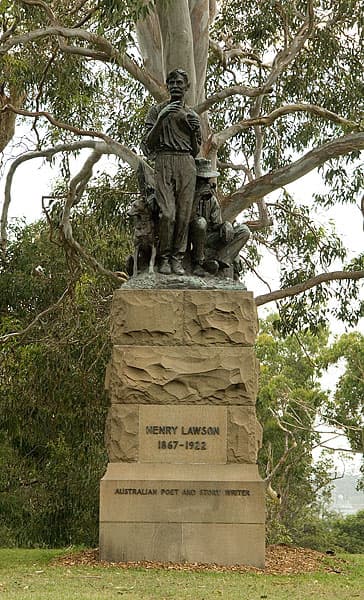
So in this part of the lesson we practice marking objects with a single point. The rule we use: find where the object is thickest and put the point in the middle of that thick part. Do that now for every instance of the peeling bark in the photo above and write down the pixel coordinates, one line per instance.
(199, 12)
(151, 46)
(7, 119)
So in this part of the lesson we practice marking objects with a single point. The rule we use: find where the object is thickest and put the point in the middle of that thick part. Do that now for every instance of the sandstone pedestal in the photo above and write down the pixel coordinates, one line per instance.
(182, 483)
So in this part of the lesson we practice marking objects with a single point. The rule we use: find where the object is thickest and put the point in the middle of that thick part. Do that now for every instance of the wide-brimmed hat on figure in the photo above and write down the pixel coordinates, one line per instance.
(204, 168)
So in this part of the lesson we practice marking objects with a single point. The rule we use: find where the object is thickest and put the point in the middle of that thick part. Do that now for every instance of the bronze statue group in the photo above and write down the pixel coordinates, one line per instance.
(177, 221)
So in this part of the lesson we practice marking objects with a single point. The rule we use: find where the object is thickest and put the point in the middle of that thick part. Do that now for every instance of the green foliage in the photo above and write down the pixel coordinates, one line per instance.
(51, 380)
(349, 532)
(347, 405)
(115, 11)
(333, 532)
(327, 72)
(53, 406)
(289, 400)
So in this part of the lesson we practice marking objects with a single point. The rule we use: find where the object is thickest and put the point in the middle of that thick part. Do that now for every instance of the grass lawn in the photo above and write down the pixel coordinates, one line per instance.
(28, 574)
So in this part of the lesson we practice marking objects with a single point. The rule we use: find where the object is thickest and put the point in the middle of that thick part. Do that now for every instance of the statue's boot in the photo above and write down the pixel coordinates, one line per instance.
(212, 266)
(176, 264)
(164, 266)
(198, 270)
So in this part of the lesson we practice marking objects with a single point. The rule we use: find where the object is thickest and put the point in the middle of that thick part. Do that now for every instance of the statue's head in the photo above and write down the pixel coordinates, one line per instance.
(177, 83)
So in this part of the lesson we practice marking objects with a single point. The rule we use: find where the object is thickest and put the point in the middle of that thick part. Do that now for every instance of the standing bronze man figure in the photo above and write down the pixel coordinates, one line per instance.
(173, 136)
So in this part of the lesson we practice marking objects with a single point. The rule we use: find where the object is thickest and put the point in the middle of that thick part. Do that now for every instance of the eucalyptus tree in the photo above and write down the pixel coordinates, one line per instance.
(346, 408)
(53, 402)
(290, 405)
(277, 85)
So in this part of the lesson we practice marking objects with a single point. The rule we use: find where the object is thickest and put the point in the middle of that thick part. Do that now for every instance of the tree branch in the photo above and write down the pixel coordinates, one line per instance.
(350, 450)
(47, 9)
(125, 153)
(76, 189)
(234, 90)
(77, 6)
(307, 285)
(287, 451)
(221, 138)
(235, 167)
(86, 17)
(104, 52)
(111, 147)
(289, 53)
(8, 32)
(229, 54)
(253, 191)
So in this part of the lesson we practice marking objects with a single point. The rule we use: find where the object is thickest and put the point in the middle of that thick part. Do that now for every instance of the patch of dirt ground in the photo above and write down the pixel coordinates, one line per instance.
(281, 559)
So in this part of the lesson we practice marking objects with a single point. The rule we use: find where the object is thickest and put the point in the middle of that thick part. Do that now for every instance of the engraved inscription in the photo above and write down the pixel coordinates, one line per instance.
(184, 492)
(183, 434)
(137, 491)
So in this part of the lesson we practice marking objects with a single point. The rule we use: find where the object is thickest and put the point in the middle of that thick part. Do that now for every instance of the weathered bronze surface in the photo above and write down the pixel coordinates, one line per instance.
(215, 245)
(173, 137)
(177, 220)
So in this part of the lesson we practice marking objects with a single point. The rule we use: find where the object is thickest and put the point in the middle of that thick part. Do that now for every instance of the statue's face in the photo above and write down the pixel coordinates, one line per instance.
(204, 187)
(177, 86)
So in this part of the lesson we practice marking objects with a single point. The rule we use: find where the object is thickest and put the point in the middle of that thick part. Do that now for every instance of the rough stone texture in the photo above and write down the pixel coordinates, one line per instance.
(244, 437)
(147, 317)
(183, 374)
(220, 317)
(127, 441)
(121, 433)
(172, 317)
(182, 357)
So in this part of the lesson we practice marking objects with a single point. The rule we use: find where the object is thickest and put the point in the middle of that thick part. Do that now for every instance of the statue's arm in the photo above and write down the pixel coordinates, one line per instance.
(195, 125)
(215, 214)
(153, 127)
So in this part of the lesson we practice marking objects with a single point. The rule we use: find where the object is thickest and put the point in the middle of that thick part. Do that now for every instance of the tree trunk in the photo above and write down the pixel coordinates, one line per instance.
(199, 13)
(7, 119)
(176, 31)
(151, 46)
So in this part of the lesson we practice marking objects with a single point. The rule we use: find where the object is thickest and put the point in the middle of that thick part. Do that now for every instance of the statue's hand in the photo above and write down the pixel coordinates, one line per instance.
(172, 107)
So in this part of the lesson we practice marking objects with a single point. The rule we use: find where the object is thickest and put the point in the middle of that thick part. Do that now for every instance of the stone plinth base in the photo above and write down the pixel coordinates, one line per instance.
(182, 436)
(182, 513)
